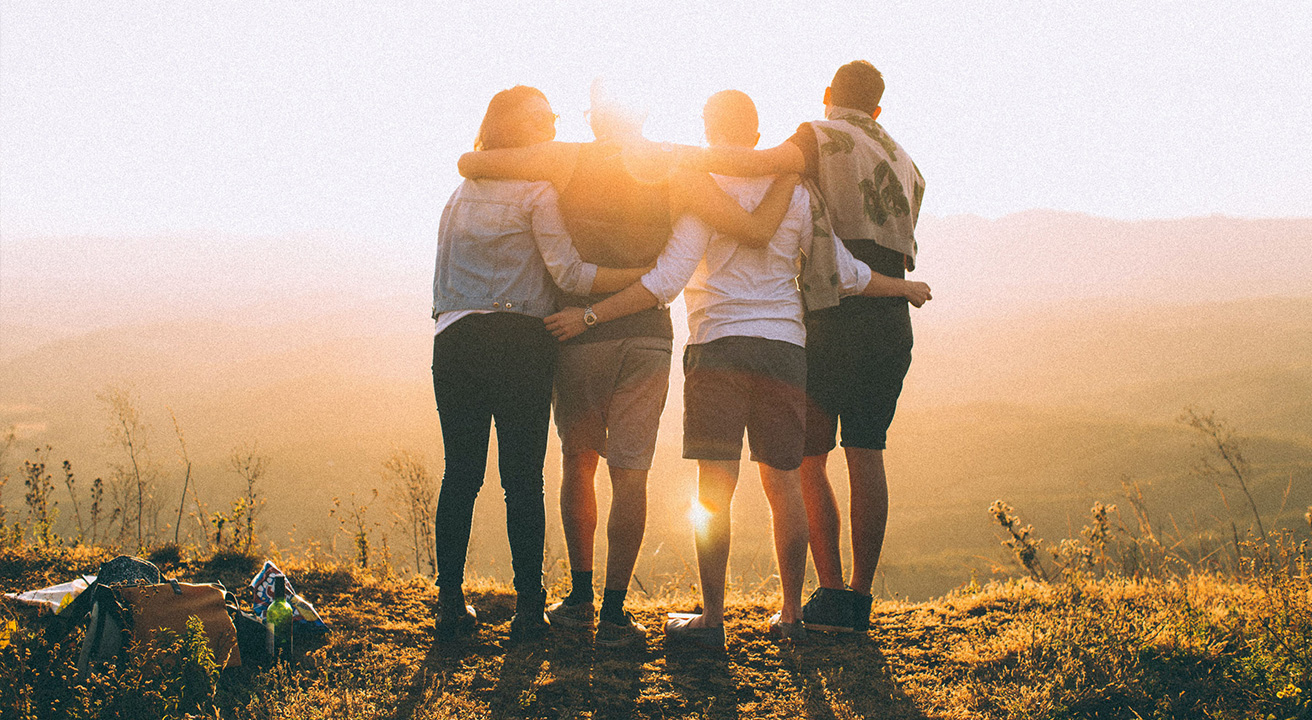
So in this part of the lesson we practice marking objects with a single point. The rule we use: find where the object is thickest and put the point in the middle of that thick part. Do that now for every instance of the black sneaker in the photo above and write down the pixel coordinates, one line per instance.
(454, 619)
(829, 610)
(580, 615)
(615, 635)
(861, 611)
(530, 620)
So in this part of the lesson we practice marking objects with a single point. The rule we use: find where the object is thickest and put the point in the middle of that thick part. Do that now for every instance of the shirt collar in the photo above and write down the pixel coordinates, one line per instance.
(835, 112)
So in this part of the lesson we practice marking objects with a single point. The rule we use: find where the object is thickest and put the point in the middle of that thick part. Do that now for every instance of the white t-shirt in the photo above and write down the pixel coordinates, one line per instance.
(742, 291)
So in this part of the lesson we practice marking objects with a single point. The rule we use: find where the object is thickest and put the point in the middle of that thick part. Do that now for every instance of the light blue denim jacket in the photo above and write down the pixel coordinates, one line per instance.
(500, 246)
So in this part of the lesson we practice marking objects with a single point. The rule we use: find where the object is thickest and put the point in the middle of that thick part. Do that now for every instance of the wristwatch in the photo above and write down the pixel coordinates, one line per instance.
(589, 317)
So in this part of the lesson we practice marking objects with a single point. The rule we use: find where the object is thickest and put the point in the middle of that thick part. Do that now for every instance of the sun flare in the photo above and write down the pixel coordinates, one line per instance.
(698, 515)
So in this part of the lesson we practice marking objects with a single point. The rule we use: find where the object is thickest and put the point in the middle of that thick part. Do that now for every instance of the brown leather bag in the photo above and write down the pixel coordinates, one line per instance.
(167, 606)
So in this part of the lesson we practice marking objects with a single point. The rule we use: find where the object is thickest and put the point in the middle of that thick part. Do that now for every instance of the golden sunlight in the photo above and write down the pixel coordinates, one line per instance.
(698, 515)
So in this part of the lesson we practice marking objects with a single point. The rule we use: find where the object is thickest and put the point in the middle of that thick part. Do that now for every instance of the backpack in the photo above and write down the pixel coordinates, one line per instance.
(129, 602)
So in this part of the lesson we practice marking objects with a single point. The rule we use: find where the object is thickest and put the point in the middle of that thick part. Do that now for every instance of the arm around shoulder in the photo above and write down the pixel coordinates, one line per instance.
(551, 161)
(783, 158)
(917, 293)
(699, 194)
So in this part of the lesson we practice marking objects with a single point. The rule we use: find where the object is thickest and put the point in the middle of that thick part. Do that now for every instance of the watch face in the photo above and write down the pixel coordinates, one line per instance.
(589, 317)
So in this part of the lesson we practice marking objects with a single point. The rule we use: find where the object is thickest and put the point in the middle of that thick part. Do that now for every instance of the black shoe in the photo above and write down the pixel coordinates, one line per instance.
(530, 620)
(615, 635)
(454, 619)
(829, 610)
(861, 611)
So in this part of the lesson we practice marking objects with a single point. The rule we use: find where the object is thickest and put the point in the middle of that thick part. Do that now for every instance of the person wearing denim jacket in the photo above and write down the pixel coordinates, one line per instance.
(502, 251)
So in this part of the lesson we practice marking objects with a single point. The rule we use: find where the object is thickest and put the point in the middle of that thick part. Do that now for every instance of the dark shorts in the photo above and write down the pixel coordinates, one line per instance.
(857, 356)
(744, 382)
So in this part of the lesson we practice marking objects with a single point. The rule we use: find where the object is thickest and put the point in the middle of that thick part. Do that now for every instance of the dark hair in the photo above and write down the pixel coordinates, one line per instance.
(731, 114)
(857, 85)
(501, 126)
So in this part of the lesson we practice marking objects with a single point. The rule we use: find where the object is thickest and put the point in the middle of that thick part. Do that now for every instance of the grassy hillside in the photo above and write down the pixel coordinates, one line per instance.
(1194, 647)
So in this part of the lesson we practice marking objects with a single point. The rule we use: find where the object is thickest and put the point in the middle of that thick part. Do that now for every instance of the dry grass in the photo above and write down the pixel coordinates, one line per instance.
(1107, 649)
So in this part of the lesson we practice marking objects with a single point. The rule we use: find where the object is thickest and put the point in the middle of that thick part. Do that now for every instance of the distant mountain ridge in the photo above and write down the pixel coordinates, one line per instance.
(1041, 255)
(975, 265)
(1043, 378)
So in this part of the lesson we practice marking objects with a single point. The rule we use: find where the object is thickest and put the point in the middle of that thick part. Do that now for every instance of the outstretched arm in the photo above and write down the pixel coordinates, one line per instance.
(562, 259)
(917, 293)
(551, 161)
(744, 162)
(856, 278)
(661, 285)
(569, 323)
(615, 279)
(697, 193)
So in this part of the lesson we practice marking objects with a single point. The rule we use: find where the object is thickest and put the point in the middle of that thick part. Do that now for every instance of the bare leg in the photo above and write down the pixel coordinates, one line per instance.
(578, 507)
(869, 514)
(716, 480)
(783, 488)
(625, 525)
(823, 521)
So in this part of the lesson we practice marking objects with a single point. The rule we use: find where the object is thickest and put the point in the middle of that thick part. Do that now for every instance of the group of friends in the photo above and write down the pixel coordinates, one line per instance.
(555, 266)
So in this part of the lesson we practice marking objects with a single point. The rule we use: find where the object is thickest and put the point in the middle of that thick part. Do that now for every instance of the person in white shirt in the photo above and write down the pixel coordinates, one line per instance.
(744, 366)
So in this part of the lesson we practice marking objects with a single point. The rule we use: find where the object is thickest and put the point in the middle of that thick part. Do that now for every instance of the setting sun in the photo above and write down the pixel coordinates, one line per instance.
(476, 317)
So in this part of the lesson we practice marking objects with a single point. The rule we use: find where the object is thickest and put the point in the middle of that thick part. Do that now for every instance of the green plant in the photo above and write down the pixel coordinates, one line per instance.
(72, 494)
(1021, 541)
(250, 466)
(237, 517)
(134, 479)
(185, 459)
(6, 446)
(41, 509)
(416, 493)
(354, 522)
(1221, 443)
(97, 505)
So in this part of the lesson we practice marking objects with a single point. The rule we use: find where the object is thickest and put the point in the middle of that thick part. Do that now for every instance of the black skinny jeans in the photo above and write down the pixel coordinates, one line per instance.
(493, 368)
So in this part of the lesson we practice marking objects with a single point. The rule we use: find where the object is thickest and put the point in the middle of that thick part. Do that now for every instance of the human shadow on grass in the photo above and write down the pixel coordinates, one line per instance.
(564, 675)
(705, 681)
(445, 662)
(561, 675)
(847, 670)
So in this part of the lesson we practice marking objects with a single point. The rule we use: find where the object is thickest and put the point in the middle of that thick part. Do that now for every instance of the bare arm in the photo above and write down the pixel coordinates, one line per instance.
(551, 161)
(744, 162)
(569, 323)
(697, 193)
(562, 259)
(614, 279)
(661, 284)
(917, 293)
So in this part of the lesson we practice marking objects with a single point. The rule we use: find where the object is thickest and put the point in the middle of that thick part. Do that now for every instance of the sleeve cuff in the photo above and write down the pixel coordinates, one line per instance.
(587, 276)
(653, 286)
(863, 274)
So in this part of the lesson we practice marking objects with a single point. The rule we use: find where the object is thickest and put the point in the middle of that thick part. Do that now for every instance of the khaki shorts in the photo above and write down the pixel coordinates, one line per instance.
(609, 396)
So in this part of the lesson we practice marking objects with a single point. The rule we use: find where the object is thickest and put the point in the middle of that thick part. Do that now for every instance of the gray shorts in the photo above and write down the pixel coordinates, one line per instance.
(609, 396)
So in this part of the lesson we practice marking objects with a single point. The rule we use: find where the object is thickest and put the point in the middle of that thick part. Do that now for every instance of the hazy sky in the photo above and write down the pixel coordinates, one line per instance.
(140, 118)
